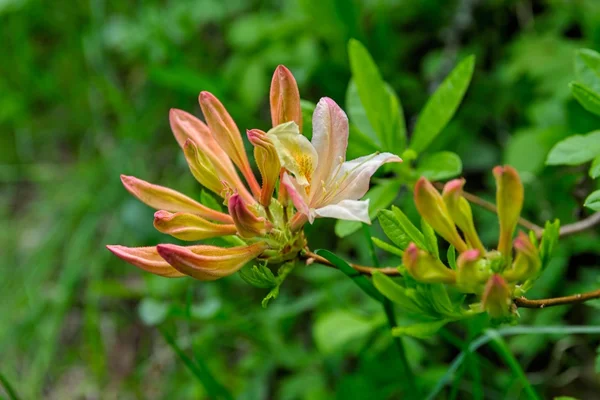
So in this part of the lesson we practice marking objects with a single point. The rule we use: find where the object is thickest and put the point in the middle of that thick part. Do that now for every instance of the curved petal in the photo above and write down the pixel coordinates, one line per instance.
(187, 226)
(146, 258)
(162, 198)
(350, 210)
(330, 139)
(352, 180)
(298, 195)
(295, 151)
(208, 263)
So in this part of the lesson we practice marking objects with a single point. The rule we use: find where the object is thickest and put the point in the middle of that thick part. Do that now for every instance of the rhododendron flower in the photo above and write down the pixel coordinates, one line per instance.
(263, 220)
(322, 183)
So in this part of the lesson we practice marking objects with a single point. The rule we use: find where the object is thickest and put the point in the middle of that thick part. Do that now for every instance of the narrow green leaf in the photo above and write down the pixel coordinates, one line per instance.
(575, 150)
(595, 168)
(392, 229)
(259, 276)
(451, 255)
(593, 201)
(442, 105)
(439, 166)
(335, 330)
(362, 281)
(10, 391)
(588, 99)
(549, 241)
(430, 238)
(395, 293)
(382, 108)
(380, 196)
(409, 228)
(199, 369)
(421, 330)
(387, 247)
(282, 273)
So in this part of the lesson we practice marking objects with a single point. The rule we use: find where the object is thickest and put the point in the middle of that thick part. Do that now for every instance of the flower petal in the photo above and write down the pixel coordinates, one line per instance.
(146, 258)
(350, 210)
(162, 198)
(295, 151)
(207, 263)
(187, 226)
(298, 195)
(330, 139)
(353, 178)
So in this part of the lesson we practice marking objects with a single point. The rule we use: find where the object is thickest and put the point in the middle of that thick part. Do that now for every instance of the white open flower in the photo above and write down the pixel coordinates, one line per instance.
(321, 183)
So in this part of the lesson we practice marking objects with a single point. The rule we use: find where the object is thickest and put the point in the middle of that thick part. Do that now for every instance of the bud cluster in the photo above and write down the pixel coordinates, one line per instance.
(493, 275)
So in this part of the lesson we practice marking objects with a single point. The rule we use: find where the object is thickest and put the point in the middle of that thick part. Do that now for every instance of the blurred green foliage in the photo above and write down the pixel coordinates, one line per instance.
(85, 89)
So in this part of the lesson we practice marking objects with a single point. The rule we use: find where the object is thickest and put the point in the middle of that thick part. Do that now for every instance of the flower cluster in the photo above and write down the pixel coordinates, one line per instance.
(300, 180)
(495, 276)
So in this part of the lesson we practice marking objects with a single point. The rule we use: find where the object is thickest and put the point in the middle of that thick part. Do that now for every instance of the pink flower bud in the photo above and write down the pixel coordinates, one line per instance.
(268, 163)
(509, 200)
(285, 98)
(527, 262)
(146, 258)
(496, 298)
(208, 263)
(460, 211)
(248, 224)
(187, 226)
(432, 208)
(426, 268)
(472, 272)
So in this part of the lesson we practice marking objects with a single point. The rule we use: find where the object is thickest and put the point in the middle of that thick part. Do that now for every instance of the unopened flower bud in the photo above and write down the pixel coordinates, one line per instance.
(460, 211)
(496, 297)
(186, 226)
(426, 268)
(248, 224)
(285, 98)
(208, 263)
(432, 208)
(509, 200)
(472, 272)
(268, 163)
(527, 262)
(227, 134)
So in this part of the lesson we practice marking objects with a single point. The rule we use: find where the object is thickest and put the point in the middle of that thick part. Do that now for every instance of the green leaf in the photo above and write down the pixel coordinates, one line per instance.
(395, 292)
(593, 201)
(387, 247)
(408, 227)
(259, 276)
(442, 105)
(334, 331)
(595, 168)
(549, 241)
(152, 312)
(587, 68)
(588, 99)
(422, 330)
(451, 255)
(282, 273)
(392, 229)
(357, 113)
(362, 281)
(430, 238)
(575, 150)
(382, 108)
(209, 201)
(380, 196)
(307, 108)
(439, 166)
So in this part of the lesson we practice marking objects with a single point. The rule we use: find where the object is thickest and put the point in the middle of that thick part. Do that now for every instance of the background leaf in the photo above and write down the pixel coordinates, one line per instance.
(575, 150)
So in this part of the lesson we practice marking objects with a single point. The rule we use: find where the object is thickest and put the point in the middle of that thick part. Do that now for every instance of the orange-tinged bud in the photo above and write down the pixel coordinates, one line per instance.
(426, 268)
(146, 258)
(527, 262)
(460, 211)
(189, 129)
(285, 98)
(471, 272)
(268, 163)
(227, 134)
(496, 297)
(162, 198)
(208, 263)
(509, 200)
(432, 208)
(187, 226)
(201, 167)
(247, 223)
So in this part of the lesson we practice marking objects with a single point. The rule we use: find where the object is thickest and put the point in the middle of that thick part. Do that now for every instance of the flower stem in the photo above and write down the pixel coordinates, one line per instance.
(557, 301)
(500, 347)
